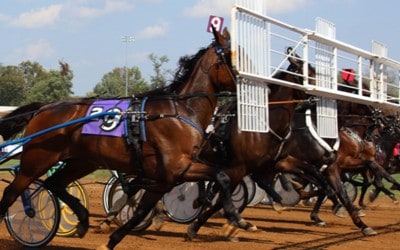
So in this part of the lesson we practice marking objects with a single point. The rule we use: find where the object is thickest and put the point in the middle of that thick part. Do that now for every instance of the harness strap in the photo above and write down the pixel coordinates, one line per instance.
(183, 118)
(315, 135)
(137, 134)
(283, 141)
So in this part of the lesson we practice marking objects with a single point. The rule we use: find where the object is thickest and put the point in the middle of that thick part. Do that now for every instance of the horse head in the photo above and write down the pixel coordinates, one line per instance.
(221, 72)
(297, 67)
(208, 71)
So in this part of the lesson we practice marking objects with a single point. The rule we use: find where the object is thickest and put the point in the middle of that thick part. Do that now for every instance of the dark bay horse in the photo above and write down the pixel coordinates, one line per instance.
(264, 153)
(359, 123)
(167, 133)
(383, 138)
(356, 154)
(259, 154)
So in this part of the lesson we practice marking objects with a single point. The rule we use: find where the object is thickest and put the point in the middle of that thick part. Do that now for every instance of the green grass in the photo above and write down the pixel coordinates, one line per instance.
(385, 183)
(99, 175)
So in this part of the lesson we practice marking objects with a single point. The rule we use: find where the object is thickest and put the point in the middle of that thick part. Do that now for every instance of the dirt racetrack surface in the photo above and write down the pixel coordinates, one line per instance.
(291, 229)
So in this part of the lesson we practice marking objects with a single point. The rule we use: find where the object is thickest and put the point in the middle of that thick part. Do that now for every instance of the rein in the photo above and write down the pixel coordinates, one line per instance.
(287, 102)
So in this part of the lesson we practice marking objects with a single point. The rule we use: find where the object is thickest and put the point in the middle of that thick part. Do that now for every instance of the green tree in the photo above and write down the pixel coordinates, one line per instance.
(33, 72)
(161, 75)
(56, 85)
(12, 86)
(113, 83)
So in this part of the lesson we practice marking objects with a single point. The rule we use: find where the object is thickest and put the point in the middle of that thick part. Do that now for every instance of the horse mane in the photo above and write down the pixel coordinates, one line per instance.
(17, 119)
(182, 74)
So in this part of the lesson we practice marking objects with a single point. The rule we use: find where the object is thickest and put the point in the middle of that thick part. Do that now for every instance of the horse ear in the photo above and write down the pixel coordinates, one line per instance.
(215, 33)
(226, 34)
(219, 38)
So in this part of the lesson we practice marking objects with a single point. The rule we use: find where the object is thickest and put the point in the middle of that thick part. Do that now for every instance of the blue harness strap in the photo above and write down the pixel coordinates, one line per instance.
(190, 122)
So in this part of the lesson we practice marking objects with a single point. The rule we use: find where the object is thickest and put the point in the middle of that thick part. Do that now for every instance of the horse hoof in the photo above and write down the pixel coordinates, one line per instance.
(191, 233)
(157, 223)
(103, 228)
(242, 223)
(341, 212)
(230, 232)
(369, 231)
(361, 213)
(103, 247)
(233, 239)
(321, 224)
(251, 228)
(278, 207)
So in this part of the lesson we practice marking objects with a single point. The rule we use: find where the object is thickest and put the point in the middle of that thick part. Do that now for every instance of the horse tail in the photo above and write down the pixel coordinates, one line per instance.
(14, 122)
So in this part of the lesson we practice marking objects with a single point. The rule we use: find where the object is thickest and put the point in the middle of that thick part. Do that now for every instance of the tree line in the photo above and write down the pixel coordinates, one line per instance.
(30, 82)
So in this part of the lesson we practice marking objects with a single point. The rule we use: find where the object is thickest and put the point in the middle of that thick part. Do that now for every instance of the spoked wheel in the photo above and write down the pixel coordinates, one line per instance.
(178, 203)
(69, 220)
(251, 189)
(284, 187)
(115, 193)
(33, 219)
(259, 195)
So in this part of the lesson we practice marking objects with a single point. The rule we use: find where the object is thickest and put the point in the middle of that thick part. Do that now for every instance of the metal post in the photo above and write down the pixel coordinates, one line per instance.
(126, 40)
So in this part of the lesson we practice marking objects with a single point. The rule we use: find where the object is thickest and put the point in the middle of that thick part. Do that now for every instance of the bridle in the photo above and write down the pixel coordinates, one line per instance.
(222, 61)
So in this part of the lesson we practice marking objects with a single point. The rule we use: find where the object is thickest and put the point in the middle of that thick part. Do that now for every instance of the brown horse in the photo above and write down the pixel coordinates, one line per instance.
(166, 131)
(356, 154)
(378, 140)
(260, 154)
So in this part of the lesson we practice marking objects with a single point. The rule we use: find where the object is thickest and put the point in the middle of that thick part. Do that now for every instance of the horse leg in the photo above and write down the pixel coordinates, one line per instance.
(148, 202)
(195, 226)
(266, 185)
(364, 189)
(132, 188)
(12, 191)
(230, 211)
(379, 186)
(375, 192)
(229, 231)
(333, 177)
(58, 182)
(198, 171)
(314, 213)
(379, 173)
(202, 199)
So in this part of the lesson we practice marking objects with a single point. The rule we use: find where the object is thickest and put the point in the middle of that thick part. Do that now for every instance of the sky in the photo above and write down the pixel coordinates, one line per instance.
(88, 34)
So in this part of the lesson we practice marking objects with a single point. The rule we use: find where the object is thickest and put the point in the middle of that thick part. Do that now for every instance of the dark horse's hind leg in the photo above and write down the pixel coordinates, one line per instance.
(148, 202)
(58, 182)
(314, 213)
(334, 180)
(195, 226)
(229, 231)
(379, 173)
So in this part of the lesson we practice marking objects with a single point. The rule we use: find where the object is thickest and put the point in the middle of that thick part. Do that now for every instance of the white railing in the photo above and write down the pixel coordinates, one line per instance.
(259, 43)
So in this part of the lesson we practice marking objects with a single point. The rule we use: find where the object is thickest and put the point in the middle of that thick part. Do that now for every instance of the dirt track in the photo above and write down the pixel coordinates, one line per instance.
(290, 230)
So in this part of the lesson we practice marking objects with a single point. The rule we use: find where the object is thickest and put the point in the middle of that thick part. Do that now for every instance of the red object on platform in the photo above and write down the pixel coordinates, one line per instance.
(348, 75)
